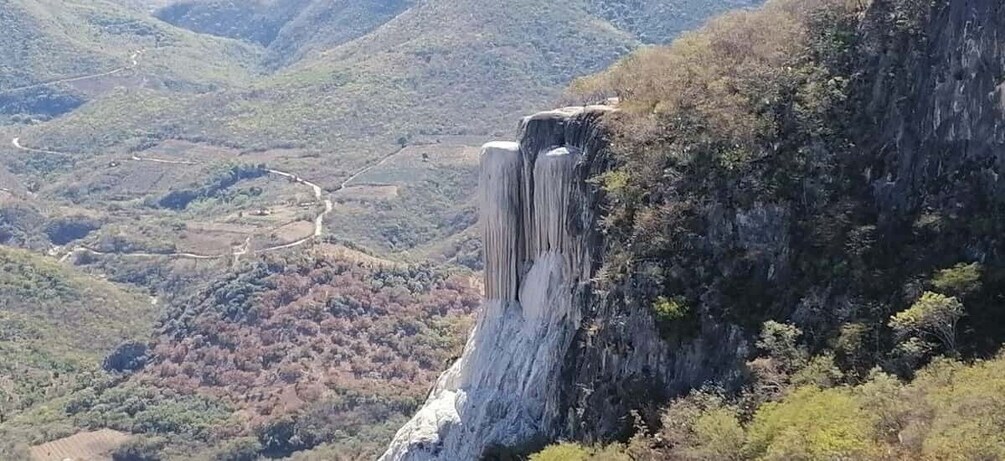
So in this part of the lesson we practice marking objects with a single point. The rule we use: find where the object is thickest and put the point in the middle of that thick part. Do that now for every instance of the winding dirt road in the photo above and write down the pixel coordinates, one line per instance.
(16, 142)
(239, 250)
(367, 169)
(160, 160)
(134, 61)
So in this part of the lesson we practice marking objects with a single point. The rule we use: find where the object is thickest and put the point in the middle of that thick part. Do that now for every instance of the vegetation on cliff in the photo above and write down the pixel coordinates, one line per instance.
(765, 180)
(747, 179)
(950, 410)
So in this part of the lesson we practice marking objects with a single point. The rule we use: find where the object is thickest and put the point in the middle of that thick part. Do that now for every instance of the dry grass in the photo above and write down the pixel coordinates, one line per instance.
(83, 446)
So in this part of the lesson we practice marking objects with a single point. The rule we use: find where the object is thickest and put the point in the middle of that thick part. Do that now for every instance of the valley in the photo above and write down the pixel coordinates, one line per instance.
(622, 230)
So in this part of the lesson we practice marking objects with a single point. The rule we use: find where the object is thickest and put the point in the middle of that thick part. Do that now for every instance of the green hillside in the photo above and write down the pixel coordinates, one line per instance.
(37, 47)
(438, 75)
(55, 55)
(441, 67)
(56, 327)
(326, 350)
(289, 29)
(660, 21)
(53, 39)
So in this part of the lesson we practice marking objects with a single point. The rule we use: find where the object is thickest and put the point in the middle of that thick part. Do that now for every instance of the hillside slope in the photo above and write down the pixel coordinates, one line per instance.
(438, 68)
(56, 326)
(437, 73)
(324, 350)
(288, 29)
(55, 55)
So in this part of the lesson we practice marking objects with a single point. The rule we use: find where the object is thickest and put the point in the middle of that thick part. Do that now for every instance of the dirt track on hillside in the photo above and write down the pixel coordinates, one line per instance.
(133, 62)
(237, 251)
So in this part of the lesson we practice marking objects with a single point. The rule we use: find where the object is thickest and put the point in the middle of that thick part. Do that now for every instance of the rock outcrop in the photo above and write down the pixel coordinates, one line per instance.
(539, 235)
(552, 356)
(933, 100)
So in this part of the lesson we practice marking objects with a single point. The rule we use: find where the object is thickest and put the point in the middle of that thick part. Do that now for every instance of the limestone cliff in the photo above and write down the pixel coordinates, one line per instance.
(933, 99)
(538, 222)
(550, 356)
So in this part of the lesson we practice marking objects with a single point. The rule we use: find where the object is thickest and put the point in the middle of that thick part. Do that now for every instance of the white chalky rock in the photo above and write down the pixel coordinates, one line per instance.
(502, 391)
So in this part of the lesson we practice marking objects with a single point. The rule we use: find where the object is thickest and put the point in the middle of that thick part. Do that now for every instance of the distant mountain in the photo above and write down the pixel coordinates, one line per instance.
(257, 22)
(55, 55)
(292, 29)
(289, 29)
(144, 5)
(436, 71)
(440, 67)
(37, 47)
(659, 21)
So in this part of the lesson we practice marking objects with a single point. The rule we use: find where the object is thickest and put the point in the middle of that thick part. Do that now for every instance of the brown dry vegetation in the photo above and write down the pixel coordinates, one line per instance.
(292, 336)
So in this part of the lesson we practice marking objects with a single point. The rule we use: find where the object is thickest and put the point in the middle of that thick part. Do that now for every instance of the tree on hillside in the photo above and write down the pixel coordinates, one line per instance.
(933, 315)
(959, 280)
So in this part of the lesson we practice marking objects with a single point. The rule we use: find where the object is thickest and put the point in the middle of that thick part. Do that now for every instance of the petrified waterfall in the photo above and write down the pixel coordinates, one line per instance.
(535, 218)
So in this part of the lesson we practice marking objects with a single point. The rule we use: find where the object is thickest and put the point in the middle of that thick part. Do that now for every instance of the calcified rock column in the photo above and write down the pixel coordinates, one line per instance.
(503, 391)
(501, 218)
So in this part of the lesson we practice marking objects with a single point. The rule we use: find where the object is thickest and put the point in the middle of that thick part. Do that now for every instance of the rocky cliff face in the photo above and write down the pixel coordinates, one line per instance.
(928, 130)
(933, 96)
(552, 355)
(931, 100)
(539, 231)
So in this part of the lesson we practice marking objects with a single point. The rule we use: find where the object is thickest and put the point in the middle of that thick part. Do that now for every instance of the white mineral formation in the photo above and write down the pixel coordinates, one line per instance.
(503, 389)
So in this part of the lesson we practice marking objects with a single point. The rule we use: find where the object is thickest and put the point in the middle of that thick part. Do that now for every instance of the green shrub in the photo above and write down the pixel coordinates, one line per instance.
(129, 356)
(951, 410)
(851, 346)
(959, 280)
(141, 449)
(960, 409)
(933, 315)
(718, 436)
(882, 396)
(820, 371)
(811, 423)
(562, 452)
(780, 342)
(243, 449)
(669, 309)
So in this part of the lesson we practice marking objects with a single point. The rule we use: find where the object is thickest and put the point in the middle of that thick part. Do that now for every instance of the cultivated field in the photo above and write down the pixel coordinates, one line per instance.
(84, 446)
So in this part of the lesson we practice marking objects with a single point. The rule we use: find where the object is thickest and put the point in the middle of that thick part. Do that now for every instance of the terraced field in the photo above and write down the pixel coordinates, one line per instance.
(422, 194)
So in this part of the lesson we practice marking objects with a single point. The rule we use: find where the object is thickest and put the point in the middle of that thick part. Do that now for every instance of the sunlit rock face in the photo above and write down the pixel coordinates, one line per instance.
(538, 233)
